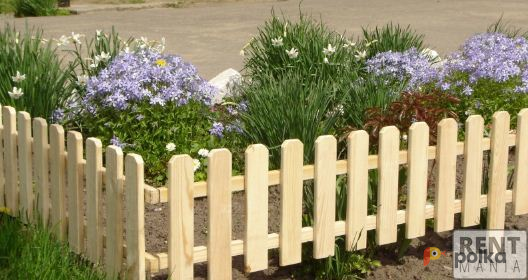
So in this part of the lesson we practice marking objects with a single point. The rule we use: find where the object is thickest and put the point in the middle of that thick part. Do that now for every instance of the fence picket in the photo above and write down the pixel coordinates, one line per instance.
(520, 187)
(75, 191)
(94, 205)
(324, 196)
(135, 222)
(416, 180)
(291, 181)
(25, 167)
(58, 182)
(446, 157)
(256, 182)
(10, 158)
(41, 165)
(388, 162)
(181, 217)
(114, 210)
(219, 213)
(498, 174)
(357, 192)
(473, 157)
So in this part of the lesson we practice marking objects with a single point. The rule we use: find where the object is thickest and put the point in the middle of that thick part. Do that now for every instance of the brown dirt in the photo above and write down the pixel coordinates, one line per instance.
(408, 267)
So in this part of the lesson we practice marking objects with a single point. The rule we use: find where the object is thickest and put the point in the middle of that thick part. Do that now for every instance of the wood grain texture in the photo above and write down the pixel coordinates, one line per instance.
(389, 147)
(135, 220)
(219, 212)
(446, 157)
(181, 217)
(114, 210)
(325, 196)
(416, 180)
(256, 183)
(25, 166)
(59, 222)
(291, 186)
(94, 199)
(473, 157)
(11, 159)
(41, 165)
(75, 191)
(357, 192)
(520, 186)
(498, 174)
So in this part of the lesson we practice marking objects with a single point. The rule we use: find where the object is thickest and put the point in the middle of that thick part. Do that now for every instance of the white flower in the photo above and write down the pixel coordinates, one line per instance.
(329, 50)
(18, 78)
(203, 152)
(170, 147)
(98, 32)
(361, 55)
(196, 164)
(431, 54)
(349, 44)
(325, 60)
(370, 43)
(277, 42)
(82, 80)
(404, 137)
(76, 38)
(63, 41)
(93, 65)
(16, 93)
(242, 52)
(105, 56)
(293, 53)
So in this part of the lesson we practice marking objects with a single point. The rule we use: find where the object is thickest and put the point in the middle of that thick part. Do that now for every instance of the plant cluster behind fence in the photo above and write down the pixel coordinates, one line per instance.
(83, 202)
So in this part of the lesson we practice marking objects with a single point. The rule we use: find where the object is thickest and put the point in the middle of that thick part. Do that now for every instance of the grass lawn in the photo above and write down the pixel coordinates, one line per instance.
(30, 252)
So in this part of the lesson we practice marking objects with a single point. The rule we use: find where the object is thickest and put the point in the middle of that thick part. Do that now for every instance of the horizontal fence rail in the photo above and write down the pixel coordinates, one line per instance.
(81, 189)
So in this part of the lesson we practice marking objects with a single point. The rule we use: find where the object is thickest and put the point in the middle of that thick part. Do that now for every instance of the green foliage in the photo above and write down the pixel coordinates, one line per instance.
(6, 6)
(45, 86)
(31, 252)
(287, 108)
(501, 26)
(391, 37)
(32, 8)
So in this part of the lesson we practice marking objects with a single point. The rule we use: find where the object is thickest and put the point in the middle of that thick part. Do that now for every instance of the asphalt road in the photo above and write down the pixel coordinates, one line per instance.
(210, 35)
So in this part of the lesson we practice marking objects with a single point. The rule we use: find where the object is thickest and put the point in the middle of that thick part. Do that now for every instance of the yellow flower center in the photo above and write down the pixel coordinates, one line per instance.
(161, 62)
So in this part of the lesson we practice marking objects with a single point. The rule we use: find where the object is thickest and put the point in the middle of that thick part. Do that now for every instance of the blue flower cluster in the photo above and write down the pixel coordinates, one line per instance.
(147, 76)
(411, 66)
(492, 56)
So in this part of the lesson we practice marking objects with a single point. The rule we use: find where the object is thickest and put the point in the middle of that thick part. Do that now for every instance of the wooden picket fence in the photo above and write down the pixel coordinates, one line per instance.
(41, 172)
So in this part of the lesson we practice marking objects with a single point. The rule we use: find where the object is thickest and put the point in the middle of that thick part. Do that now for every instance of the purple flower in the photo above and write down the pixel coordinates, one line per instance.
(117, 142)
(57, 116)
(217, 129)
(411, 66)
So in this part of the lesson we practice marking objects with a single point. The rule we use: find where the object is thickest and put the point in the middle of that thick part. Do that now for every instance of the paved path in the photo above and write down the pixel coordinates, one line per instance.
(211, 35)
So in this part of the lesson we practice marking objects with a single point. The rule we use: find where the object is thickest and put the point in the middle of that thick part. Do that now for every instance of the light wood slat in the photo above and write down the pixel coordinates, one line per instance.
(324, 196)
(181, 217)
(257, 166)
(417, 180)
(94, 199)
(2, 171)
(520, 187)
(25, 159)
(58, 182)
(291, 187)
(11, 159)
(357, 192)
(219, 212)
(135, 222)
(498, 173)
(473, 157)
(75, 191)
(446, 157)
(237, 246)
(389, 147)
(114, 210)
(41, 159)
